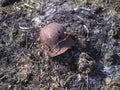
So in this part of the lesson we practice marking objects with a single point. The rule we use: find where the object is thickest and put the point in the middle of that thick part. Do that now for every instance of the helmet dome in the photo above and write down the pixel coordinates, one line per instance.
(55, 39)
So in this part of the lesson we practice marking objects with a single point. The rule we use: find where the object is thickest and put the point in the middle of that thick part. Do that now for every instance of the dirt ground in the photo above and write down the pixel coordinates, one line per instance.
(92, 64)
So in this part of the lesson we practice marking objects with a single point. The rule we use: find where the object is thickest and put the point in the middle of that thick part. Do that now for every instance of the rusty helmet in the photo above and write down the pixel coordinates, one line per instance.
(55, 39)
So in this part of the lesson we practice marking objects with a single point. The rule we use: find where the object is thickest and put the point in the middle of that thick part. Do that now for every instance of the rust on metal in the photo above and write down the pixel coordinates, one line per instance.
(55, 39)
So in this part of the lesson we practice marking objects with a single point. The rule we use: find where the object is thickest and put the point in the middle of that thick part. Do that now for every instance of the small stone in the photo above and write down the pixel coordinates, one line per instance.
(108, 80)
(79, 76)
(108, 55)
(111, 58)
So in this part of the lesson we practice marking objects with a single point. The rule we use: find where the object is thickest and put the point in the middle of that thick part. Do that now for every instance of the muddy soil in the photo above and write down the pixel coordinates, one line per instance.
(92, 64)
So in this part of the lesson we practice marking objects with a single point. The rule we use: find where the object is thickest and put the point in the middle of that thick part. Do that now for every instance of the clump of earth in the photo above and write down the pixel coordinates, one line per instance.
(92, 64)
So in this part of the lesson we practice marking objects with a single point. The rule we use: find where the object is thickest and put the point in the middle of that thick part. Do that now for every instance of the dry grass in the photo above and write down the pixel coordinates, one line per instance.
(105, 3)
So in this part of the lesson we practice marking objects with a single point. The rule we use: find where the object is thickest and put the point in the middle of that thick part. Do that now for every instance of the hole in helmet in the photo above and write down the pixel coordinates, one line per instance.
(59, 38)
(58, 31)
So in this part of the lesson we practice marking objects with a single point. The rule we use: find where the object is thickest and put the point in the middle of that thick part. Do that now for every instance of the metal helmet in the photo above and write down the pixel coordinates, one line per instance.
(55, 39)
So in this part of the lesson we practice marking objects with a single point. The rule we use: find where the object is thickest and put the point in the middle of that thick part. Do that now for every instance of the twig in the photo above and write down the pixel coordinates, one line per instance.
(84, 8)
(86, 30)
(3, 77)
(26, 39)
(80, 18)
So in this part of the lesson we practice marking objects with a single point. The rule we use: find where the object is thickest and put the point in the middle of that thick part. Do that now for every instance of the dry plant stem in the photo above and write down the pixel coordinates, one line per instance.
(86, 29)
(3, 77)
(26, 38)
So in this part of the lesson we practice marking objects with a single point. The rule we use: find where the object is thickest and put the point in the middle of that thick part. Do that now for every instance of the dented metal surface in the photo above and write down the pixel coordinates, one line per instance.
(55, 39)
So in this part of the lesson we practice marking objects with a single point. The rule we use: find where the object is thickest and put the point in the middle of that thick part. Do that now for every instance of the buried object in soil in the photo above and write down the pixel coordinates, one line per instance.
(55, 39)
